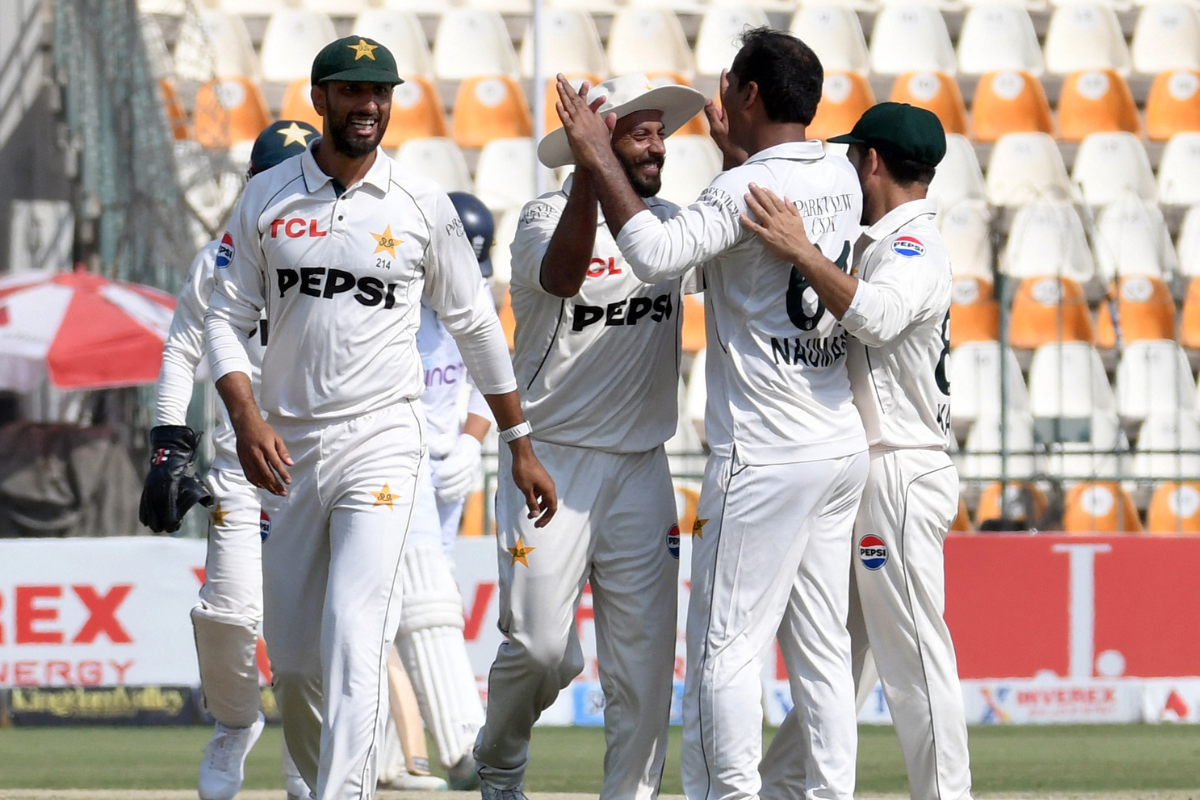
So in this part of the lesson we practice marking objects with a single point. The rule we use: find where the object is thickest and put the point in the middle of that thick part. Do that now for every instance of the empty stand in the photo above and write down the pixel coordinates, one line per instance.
(983, 455)
(1085, 36)
(958, 178)
(692, 162)
(1167, 37)
(966, 231)
(648, 40)
(1067, 380)
(1100, 507)
(1173, 105)
(416, 113)
(1093, 102)
(227, 111)
(697, 396)
(720, 34)
(1189, 322)
(936, 92)
(835, 35)
(1047, 310)
(1179, 171)
(210, 44)
(504, 177)
(1188, 247)
(402, 34)
(693, 335)
(472, 43)
(1174, 508)
(177, 118)
(1048, 239)
(908, 38)
(974, 313)
(487, 108)
(998, 37)
(1131, 238)
(439, 159)
(297, 103)
(962, 521)
(431, 7)
(1154, 378)
(506, 231)
(1145, 312)
(844, 98)
(1009, 102)
(975, 375)
(1024, 505)
(291, 41)
(1112, 166)
(571, 46)
(1024, 168)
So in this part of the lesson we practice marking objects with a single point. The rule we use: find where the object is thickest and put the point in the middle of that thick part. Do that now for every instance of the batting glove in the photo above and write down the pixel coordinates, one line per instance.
(170, 491)
(454, 476)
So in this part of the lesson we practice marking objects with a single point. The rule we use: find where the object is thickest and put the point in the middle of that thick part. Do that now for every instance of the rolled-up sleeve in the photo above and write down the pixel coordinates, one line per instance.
(239, 292)
(900, 292)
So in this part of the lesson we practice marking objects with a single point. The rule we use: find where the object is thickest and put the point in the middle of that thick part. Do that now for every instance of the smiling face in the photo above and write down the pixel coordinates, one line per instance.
(638, 142)
(356, 114)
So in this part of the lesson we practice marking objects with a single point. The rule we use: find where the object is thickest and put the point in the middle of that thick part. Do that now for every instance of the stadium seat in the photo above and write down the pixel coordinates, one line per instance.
(982, 459)
(297, 103)
(416, 113)
(720, 33)
(340, 8)
(176, 115)
(504, 176)
(490, 107)
(1188, 248)
(250, 8)
(835, 35)
(1189, 318)
(227, 111)
(1131, 238)
(1025, 504)
(1174, 508)
(210, 45)
(1025, 168)
(507, 321)
(1067, 380)
(1095, 101)
(1047, 310)
(936, 92)
(998, 37)
(1009, 102)
(550, 118)
(1048, 239)
(439, 159)
(506, 7)
(1154, 378)
(1145, 312)
(1085, 36)
(506, 232)
(958, 177)
(401, 33)
(1099, 507)
(571, 46)
(648, 40)
(844, 98)
(1113, 166)
(692, 162)
(472, 43)
(291, 41)
(977, 386)
(431, 7)
(907, 38)
(1179, 171)
(204, 193)
(1173, 105)
(974, 313)
(966, 231)
(1167, 37)
(693, 338)
(962, 522)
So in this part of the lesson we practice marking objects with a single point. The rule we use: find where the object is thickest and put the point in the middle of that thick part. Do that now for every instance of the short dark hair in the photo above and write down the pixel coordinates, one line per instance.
(905, 171)
(788, 73)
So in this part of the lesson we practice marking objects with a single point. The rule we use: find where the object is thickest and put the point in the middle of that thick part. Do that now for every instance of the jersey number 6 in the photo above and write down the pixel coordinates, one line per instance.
(798, 284)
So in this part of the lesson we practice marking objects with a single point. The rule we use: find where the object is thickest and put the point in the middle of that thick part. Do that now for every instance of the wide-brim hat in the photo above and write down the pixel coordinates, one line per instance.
(624, 96)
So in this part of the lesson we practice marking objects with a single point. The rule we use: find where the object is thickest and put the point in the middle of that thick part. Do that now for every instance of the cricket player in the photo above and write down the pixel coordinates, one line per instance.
(897, 311)
(339, 246)
(229, 613)
(597, 356)
(772, 538)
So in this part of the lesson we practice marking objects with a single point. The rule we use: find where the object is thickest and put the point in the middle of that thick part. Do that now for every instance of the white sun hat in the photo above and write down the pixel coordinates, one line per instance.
(625, 95)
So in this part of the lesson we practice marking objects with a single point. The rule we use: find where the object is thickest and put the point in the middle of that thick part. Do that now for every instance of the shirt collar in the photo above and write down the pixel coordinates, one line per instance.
(900, 216)
(807, 151)
(378, 176)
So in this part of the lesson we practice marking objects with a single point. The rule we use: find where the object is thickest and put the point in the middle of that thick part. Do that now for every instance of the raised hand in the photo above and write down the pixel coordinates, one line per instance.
(589, 135)
(779, 224)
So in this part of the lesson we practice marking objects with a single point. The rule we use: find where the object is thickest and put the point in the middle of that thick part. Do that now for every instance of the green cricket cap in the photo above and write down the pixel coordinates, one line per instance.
(355, 58)
(910, 132)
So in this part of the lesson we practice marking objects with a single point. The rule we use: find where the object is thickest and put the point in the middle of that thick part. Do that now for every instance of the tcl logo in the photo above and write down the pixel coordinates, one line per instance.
(295, 228)
(603, 266)
(35, 615)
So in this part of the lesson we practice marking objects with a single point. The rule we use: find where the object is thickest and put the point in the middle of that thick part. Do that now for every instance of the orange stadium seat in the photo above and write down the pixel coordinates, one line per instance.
(176, 116)
(227, 111)
(1100, 507)
(1174, 508)
(1145, 309)
(962, 523)
(487, 108)
(974, 313)
(693, 324)
(1173, 105)
(1094, 101)
(507, 321)
(297, 103)
(1009, 102)
(550, 120)
(416, 113)
(1049, 310)
(937, 92)
(1189, 323)
(1026, 504)
(844, 98)
(474, 517)
(686, 499)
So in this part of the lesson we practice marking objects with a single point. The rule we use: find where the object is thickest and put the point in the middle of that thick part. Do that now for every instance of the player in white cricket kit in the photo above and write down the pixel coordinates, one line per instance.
(597, 358)
(227, 619)
(897, 311)
(339, 246)
(772, 541)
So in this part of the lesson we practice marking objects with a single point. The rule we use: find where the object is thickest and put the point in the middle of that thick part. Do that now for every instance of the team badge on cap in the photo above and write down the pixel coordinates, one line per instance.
(908, 247)
(872, 552)
(673, 542)
(264, 525)
(225, 251)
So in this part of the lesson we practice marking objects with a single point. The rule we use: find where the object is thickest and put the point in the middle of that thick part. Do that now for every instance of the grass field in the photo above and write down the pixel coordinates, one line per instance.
(1120, 759)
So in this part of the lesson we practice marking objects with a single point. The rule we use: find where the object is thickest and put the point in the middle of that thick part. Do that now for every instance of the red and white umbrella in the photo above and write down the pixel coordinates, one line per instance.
(87, 332)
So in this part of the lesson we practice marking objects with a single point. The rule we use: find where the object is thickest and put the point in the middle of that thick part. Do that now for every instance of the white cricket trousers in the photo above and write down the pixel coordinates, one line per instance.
(770, 553)
(616, 514)
(227, 618)
(330, 572)
(896, 622)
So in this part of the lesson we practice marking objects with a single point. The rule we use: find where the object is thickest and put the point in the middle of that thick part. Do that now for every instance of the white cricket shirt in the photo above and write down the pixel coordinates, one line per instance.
(445, 376)
(600, 369)
(341, 278)
(900, 325)
(778, 390)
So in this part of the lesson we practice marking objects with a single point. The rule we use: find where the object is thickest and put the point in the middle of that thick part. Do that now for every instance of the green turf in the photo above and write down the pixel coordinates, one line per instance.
(1060, 758)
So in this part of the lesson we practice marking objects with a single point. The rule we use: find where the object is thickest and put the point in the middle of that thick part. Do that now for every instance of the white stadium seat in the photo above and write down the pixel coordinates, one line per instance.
(1131, 238)
(438, 159)
(1163, 448)
(1024, 168)
(1085, 36)
(975, 381)
(1113, 166)
(514, 7)
(471, 43)
(1048, 239)
(835, 35)
(958, 177)
(1179, 171)
(506, 231)
(1103, 457)
(650, 41)
(1067, 379)
(720, 35)
(1154, 378)
(291, 42)
(402, 34)
(1188, 251)
(910, 38)
(251, 8)
(982, 459)
(210, 44)
(415, 6)
(591, 6)
(692, 162)
(1167, 37)
(966, 231)
(338, 8)
(504, 176)
(571, 45)
(996, 38)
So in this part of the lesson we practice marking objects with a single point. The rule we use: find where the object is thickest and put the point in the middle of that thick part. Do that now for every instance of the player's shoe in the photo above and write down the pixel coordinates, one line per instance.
(223, 768)
(406, 782)
(464, 775)
(490, 792)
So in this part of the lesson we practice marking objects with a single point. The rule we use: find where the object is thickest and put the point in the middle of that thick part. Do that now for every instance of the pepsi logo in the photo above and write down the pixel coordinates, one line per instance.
(908, 247)
(872, 552)
(264, 525)
(225, 251)
(673, 541)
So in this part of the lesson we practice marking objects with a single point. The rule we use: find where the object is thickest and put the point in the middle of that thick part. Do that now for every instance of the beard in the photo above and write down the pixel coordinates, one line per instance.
(347, 143)
(645, 186)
